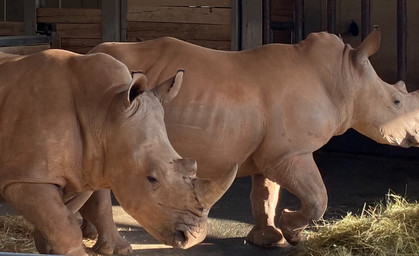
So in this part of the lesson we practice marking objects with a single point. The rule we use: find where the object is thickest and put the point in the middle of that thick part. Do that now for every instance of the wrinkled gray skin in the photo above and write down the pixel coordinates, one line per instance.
(69, 127)
(268, 109)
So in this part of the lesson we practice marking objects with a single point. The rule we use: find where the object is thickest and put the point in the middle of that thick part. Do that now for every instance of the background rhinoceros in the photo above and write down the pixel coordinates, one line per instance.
(71, 124)
(269, 109)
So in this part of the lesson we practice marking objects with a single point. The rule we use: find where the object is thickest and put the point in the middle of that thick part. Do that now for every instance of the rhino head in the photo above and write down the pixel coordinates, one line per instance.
(383, 112)
(153, 184)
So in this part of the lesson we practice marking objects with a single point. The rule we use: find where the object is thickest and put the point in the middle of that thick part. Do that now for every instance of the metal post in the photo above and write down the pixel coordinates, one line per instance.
(298, 20)
(331, 16)
(401, 40)
(365, 18)
(266, 21)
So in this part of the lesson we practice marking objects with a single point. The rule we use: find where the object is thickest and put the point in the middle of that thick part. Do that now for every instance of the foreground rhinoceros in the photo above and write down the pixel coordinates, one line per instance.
(269, 109)
(69, 126)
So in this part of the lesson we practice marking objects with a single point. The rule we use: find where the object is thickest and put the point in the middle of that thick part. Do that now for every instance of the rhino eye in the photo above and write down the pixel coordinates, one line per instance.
(151, 179)
(397, 102)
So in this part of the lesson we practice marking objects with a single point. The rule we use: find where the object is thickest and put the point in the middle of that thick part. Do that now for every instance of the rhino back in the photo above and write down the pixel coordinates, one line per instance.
(43, 118)
(233, 105)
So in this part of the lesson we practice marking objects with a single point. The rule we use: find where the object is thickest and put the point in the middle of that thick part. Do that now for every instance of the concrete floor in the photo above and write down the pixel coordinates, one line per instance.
(351, 181)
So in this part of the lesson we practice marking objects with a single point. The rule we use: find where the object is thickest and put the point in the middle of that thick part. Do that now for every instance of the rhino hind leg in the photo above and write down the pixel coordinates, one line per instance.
(42, 205)
(97, 213)
(301, 177)
(264, 198)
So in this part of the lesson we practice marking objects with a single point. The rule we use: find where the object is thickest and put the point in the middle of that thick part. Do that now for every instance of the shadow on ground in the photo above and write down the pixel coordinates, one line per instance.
(351, 181)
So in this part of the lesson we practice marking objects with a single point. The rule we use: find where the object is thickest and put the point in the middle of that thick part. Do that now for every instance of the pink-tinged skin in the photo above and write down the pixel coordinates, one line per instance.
(268, 109)
(69, 127)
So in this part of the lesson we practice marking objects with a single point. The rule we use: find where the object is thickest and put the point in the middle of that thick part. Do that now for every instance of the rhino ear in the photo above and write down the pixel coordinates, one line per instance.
(401, 86)
(369, 46)
(137, 86)
(169, 88)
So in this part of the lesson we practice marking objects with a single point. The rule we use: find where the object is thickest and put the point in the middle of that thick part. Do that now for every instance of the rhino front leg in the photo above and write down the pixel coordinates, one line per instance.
(42, 205)
(98, 211)
(264, 198)
(301, 177)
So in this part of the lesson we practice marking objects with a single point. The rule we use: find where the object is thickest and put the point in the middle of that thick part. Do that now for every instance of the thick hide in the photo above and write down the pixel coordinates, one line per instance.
(269, 109)
(70, 127)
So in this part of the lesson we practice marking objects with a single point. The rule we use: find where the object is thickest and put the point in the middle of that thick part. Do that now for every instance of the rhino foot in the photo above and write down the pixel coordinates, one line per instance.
(44, 247)
(113, 244)
(292, 225)
(88, 230)
(267, 236)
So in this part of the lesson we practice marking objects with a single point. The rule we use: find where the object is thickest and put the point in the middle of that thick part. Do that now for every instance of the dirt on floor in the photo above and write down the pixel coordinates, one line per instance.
(351, 181)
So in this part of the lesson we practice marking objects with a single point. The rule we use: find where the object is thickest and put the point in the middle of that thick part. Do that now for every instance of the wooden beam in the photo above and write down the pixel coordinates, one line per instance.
(179, 14)
(79, 30)
(123, 21)
(235, 25)
(401, 40)
(251, 24)
(298, 20)
(365, 18)
(11, 28)
(266, 19)
(179, 3)
(111, 20)
(29, 15)
(69, 15)
(183, 31)
(331, 16)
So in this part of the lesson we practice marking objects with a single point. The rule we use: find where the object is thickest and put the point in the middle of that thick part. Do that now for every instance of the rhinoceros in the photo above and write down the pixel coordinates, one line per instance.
(268, 109)
(70, 126)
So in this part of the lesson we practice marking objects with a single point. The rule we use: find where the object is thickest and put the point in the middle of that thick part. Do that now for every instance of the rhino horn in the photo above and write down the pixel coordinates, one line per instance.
(209, 191)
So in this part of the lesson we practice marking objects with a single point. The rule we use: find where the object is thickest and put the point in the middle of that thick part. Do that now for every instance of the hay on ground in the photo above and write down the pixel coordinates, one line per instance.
(16, 235)
(385, 229)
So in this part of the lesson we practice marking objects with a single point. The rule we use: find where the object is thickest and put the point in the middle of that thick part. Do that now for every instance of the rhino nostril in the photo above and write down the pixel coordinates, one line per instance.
(180, 238)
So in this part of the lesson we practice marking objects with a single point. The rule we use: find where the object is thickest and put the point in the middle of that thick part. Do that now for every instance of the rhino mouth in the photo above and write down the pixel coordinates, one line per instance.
(188, 235)
(410, 141)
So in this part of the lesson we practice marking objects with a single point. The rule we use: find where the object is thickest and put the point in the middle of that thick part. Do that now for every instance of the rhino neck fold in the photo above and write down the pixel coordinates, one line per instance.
(94, 129)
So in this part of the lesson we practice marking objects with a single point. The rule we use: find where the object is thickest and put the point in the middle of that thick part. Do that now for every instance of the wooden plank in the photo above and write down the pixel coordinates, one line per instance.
(180, 30)
(80, 42)
(8, 28)
(111, 13)
(214, 44)
(78, 49)
(29, 16)
(251, 24)
(179, 3)
(24, 50)
(69, 15)
(80, 30)
(180, 15)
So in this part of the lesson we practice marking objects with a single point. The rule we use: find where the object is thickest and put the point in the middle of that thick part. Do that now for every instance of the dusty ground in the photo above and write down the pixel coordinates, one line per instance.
(351, 181)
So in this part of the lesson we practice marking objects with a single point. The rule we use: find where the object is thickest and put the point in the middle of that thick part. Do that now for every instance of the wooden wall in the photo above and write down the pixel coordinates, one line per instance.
(282, 11)
(203, 22)
(11, 28)
(80, 29)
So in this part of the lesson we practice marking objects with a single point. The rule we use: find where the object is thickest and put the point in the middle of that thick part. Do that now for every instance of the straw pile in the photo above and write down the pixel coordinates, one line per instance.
(385, 229)
(16, 235)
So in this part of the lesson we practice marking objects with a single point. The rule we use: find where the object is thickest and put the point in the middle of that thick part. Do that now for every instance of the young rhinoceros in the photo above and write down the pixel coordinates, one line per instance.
(268, 109)
(71, 124)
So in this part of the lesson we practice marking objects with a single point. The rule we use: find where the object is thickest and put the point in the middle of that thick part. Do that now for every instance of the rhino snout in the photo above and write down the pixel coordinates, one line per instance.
(188, 235)
(411, 140)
